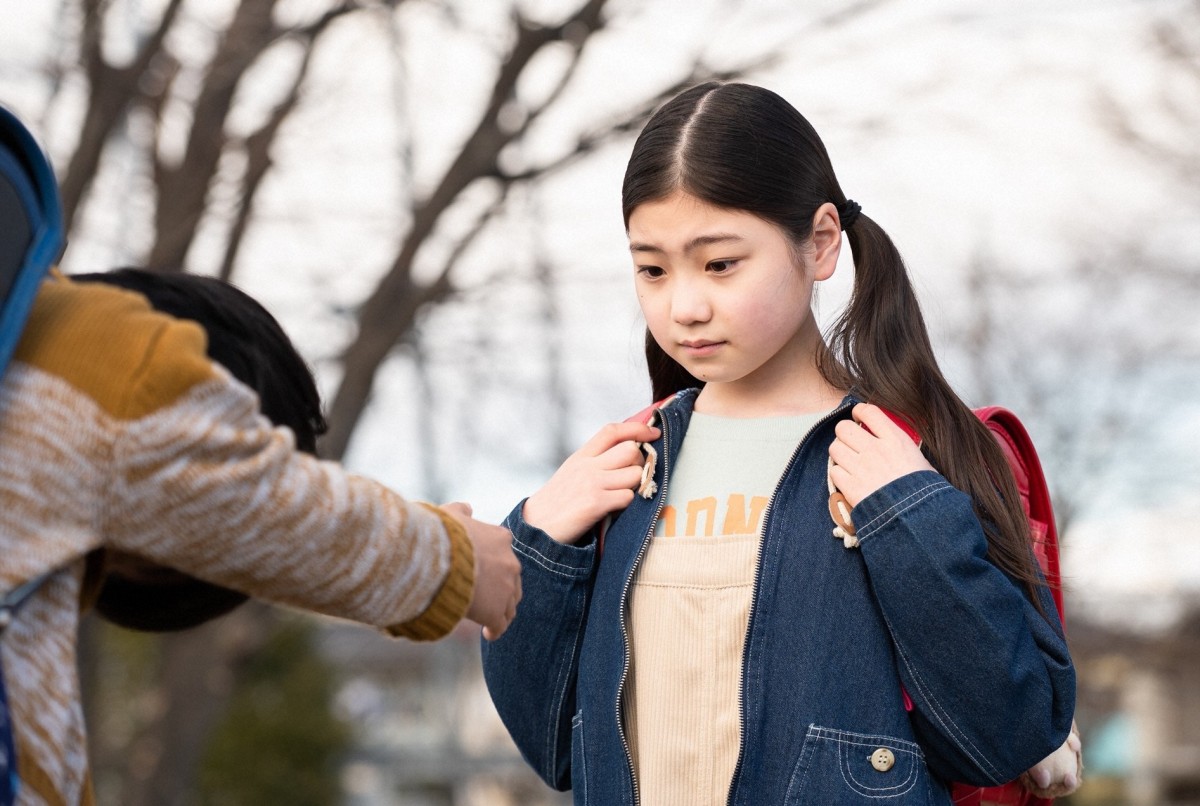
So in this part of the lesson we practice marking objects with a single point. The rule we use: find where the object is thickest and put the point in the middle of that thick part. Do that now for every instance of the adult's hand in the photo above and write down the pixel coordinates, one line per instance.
(596, 480)
(497, 573)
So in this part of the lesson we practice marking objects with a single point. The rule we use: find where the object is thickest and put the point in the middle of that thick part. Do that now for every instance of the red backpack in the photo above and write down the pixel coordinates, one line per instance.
(1035, 500)
(1023, 460)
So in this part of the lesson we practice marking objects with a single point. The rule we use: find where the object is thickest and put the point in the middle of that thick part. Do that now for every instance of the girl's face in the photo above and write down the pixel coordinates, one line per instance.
(727, 295)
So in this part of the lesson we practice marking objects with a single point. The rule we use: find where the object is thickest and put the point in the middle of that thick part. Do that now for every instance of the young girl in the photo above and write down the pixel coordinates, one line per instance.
(723, 647)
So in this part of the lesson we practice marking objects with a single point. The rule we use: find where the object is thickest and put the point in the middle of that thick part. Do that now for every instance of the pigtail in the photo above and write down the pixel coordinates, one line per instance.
(879, 346)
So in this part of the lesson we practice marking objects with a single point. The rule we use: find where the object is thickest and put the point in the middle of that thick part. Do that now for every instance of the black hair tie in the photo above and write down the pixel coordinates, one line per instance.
(848, 212)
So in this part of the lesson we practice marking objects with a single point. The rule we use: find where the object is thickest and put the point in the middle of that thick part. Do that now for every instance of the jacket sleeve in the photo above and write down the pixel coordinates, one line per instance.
(203, 483)
(990, 676)
(531, 670)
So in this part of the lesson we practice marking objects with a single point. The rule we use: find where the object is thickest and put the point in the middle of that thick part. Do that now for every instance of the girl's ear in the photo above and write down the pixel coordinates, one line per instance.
(826, 241)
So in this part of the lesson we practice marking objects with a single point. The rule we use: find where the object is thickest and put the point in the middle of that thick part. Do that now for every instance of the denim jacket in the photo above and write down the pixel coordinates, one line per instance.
(835, 638)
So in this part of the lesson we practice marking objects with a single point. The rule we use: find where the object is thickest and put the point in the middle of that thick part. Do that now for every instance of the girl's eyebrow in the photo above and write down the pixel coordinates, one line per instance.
(694, 243)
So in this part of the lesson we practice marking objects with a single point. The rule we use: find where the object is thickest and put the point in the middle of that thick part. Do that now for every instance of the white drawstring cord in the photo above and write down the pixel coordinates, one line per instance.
(839, 510)
(647, 488)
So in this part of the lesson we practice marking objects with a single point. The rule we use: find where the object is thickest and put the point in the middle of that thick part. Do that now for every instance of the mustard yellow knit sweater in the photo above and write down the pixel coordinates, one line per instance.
(116, 430)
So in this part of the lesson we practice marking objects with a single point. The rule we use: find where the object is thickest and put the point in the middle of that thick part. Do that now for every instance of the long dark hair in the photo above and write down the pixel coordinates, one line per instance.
(745, 148)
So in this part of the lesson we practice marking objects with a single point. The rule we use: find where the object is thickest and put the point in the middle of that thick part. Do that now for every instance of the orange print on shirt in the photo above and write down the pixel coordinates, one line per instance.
(702, 515)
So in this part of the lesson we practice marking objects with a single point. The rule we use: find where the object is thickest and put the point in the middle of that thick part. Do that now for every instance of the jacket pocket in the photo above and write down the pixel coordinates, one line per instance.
(845, 768)
(578, 772)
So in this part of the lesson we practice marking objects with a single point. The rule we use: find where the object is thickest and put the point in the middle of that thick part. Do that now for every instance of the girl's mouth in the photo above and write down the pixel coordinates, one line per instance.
(699, 348)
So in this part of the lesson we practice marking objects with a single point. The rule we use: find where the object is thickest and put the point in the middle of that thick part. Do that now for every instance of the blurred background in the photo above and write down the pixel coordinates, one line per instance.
(426, 194)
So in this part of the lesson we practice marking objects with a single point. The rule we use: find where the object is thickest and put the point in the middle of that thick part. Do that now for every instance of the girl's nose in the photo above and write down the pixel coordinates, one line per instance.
(689, 304)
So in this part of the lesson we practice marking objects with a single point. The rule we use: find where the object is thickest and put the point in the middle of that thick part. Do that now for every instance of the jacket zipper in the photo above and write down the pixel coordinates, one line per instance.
(762, 539)
(662, 499)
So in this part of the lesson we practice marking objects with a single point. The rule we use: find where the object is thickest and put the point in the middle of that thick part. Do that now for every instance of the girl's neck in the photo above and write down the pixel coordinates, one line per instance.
(805, 392)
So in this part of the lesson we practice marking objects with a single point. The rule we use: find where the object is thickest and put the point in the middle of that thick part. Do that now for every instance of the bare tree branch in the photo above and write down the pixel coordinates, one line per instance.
(1081, 382)
(183, 188)
(1180, 157)
(388, 313)
(1177, 50)
(153, 101)
(258, 144)
(111, 90)
(390, 310)
(630, 122)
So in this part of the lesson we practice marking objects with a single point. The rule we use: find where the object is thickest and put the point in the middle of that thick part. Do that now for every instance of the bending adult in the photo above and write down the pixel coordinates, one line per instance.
(117, 431)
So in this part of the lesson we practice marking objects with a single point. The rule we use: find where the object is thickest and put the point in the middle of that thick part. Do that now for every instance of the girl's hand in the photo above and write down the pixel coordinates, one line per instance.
(1058, 774)
(871, 451)
(596, 480)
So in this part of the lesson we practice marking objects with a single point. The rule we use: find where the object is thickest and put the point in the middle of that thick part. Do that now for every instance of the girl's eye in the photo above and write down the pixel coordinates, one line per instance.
(721, 266)
(651, 272)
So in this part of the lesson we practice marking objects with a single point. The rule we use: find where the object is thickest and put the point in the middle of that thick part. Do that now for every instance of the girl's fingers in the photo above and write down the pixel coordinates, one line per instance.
(876, 421)
(626, 454)
(854, 436)
(616, 433)
(623, 478)
(841, 453)
(616, 500)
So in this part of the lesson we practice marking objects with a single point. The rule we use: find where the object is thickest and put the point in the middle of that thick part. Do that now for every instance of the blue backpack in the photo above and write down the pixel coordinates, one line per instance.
(31, 240)
(31, 228)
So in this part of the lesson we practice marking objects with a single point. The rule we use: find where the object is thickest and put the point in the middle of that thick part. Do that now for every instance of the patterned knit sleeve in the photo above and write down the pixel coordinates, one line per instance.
(205, 484)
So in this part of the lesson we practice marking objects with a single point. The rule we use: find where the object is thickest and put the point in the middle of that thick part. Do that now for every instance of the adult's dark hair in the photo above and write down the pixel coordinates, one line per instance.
(245, 339)
(745, 148)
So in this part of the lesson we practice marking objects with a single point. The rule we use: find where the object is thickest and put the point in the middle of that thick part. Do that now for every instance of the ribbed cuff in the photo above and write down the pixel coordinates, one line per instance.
(450, 603)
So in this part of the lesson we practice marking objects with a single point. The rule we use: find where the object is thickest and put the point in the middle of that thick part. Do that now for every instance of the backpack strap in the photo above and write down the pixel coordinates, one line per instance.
(1031, 483)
